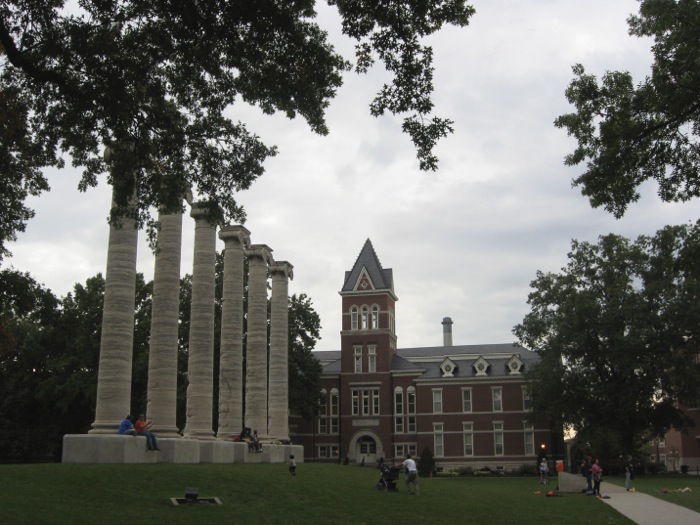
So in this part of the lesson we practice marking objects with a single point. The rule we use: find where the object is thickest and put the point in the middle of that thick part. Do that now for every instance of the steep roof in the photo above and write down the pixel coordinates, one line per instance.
(381, 279)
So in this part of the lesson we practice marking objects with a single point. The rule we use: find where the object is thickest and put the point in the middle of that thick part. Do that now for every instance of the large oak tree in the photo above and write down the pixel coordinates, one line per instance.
(629, 133)
(156, 83)
(618, 333)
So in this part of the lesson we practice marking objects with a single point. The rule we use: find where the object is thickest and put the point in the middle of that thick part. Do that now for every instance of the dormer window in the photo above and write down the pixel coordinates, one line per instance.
(448, 368)
(514, 365)
(481, 366)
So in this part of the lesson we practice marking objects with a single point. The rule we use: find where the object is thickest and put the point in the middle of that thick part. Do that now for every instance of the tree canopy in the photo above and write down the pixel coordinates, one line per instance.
(626, 134)
(155, 84)
(618, 334)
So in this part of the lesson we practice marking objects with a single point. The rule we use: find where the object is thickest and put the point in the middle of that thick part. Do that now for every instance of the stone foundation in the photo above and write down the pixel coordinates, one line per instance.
(122, 449)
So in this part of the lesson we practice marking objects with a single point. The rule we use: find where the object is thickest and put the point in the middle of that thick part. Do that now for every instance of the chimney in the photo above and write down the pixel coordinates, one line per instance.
(447, 331)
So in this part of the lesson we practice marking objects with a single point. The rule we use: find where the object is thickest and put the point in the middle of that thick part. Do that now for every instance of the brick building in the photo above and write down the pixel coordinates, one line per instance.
(467, 403)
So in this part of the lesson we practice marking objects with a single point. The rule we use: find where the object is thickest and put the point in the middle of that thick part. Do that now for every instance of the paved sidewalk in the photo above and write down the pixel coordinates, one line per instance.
(647, 510)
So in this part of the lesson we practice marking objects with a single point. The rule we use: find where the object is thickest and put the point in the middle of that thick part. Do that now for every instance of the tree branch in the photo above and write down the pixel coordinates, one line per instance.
(20, 61)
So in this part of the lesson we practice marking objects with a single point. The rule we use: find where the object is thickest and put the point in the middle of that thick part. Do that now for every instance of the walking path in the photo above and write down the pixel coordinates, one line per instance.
(647, 510)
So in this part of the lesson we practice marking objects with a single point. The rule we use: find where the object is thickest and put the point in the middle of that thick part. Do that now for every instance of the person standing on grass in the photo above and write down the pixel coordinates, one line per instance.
(292, 465)
(597, 474)
(629, 472)
(544, 470)
(412, 475)
(586, 467)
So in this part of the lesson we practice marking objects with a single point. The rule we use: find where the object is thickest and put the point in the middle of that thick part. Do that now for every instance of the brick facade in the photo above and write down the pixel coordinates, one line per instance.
(468, 404)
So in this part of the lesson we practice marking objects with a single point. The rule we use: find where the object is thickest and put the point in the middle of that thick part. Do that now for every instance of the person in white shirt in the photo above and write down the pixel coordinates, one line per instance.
(412, 478)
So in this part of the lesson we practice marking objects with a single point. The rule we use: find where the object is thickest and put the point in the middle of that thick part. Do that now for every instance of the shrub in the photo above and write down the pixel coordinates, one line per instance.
(426, 463)
(526, 469)
(685, 469)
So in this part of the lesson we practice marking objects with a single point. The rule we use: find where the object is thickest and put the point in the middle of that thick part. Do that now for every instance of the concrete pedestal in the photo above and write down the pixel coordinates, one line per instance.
(123, 449)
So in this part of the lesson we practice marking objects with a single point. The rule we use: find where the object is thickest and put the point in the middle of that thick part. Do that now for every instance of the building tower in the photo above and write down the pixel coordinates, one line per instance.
(368, 346)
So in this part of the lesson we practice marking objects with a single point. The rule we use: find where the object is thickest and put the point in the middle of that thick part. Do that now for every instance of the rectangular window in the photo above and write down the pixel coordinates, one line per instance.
(375, 317)
(372, 359)
(468, 430)
(335, 451)
(438, 439)
(322, 452)
(498, 438)
(497, 393)
(353, 318)
(355, 402)
(323, 425)
(358, 359)
(400, 451)
(529, 439)
(398, 424)
(437, 401)
(334, 425)
(411, 420)
(365, 402)
(412, 450)
(527, 400)
(467, 400)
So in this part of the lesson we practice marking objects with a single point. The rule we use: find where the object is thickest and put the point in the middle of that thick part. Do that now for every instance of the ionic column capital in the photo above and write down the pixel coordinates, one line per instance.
(203, 210)
(282, 269)
(235, 235)
(259, 251)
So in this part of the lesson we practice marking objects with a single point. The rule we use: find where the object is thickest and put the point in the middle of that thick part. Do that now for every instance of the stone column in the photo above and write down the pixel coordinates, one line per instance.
(117, 340)
(162, 357)
(259, 257)
(200, 364)
(281, 272)
(231, 359)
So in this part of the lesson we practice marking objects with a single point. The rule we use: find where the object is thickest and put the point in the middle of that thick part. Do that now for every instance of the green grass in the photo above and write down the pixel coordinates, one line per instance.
(267, 494)
(655, 485)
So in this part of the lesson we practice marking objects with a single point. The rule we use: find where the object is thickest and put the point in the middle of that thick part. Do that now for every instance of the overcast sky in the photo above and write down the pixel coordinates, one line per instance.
(464, 242)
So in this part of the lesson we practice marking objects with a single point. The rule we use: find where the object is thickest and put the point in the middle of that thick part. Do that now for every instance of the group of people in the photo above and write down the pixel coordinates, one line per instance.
(140, 427)
(593, 472)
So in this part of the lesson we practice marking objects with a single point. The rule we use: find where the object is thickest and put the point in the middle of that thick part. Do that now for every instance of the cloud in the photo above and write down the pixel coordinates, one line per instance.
(464, 242)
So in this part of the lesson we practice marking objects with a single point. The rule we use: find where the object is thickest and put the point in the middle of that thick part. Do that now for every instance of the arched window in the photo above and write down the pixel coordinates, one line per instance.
(365, 318)
(375, 317)
(398, 409)
(353, 318)
(411, 409)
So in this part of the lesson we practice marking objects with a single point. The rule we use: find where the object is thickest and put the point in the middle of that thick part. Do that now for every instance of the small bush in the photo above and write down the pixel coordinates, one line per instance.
(466, 471)
(655, 468)
(527, 469)
(685, 469)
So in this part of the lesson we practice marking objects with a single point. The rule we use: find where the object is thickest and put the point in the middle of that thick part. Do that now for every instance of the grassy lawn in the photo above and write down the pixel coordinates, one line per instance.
(256, 494)
(655, 486)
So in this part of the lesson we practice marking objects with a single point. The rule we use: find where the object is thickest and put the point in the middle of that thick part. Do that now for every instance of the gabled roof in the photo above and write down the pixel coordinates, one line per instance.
(381, 279)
